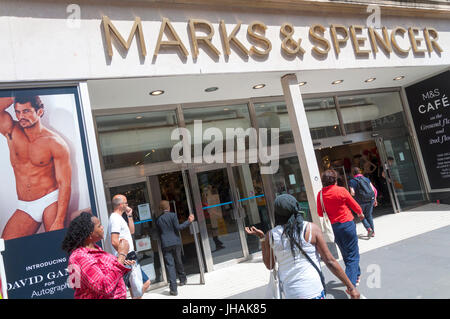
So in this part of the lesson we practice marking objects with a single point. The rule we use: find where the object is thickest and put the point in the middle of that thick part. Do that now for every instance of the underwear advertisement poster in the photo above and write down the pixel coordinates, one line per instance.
(45, 183)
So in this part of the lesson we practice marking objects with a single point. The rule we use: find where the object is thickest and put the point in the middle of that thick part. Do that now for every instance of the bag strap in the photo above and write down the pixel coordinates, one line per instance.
(324, 211)
(322, 278)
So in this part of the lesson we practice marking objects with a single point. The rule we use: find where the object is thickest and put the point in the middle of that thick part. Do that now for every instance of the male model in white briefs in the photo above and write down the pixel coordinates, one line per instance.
(41, 164)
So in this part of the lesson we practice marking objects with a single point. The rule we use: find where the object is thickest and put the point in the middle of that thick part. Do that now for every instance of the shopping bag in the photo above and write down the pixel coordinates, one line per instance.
(273, 290)
(327, 229)
(136, 281)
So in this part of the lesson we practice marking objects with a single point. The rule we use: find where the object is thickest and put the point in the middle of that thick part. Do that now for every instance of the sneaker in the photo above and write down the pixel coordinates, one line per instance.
(373, 234)
(174, 293)
(182, 283)
(370, 232)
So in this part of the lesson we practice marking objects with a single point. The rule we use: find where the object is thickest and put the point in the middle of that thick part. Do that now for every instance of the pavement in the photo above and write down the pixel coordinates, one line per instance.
(408, 258)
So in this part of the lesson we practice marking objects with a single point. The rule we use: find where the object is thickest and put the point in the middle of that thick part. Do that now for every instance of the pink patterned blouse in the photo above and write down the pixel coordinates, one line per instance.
(96, 274)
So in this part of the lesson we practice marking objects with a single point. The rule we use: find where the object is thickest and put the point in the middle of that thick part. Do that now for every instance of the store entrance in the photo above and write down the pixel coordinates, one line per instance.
(388, 162)
(224, 200)
(144, 196)
(364, 155)
(232, 198)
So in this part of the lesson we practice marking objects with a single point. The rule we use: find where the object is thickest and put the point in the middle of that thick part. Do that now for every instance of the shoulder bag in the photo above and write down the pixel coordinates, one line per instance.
(274, 289)
(327, 229)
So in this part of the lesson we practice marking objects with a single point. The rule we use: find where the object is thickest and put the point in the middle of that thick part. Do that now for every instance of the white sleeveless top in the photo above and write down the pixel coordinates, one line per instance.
(299, 279)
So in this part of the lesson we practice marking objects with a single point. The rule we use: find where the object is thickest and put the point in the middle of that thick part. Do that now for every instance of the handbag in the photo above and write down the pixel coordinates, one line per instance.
(327, 229)
(274, 289)
(136, 281)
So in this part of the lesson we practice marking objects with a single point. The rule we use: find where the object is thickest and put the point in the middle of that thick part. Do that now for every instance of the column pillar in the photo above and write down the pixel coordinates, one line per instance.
(303, 142)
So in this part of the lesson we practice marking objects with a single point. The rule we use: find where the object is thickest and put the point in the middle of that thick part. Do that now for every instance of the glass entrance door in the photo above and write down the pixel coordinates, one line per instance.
(145, 242)
(144, 198)
(173, 187)
(400, 170)
(221, 215)
(251, 201)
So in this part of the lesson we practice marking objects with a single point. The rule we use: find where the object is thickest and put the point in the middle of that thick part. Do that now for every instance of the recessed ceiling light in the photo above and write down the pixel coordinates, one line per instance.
(399, 77)
(157, 92)
(302, 83)
(337, 82)
(370, 80)
(139, 117)
(211, 89)
(259, 86)
(226, 109)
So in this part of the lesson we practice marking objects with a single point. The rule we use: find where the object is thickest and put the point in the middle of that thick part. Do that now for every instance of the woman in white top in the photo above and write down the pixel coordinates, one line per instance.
(298, 277)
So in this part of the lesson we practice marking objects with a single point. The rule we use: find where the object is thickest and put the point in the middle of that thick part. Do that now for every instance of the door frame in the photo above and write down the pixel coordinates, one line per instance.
(145, 180)
(391, 189)
(237, 217)
(382, 149)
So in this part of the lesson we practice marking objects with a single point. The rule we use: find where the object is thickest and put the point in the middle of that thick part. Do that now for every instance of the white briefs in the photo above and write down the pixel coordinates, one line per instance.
(36, 207)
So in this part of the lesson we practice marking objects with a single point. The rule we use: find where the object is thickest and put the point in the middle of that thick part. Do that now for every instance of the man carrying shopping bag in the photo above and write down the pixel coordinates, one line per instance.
(118, 229)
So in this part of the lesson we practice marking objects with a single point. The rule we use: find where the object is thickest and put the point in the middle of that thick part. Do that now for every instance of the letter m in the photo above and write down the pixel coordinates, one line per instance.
(137, 27)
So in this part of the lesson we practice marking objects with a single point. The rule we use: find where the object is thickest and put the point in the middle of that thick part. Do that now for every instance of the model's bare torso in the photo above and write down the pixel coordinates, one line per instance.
(32, 162)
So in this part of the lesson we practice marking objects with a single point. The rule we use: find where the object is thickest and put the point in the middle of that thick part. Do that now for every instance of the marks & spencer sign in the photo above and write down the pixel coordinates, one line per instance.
(364, 40)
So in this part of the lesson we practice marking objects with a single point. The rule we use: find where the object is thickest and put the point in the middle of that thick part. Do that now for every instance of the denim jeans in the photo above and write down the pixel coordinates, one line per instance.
(347, 240)
(367, 209)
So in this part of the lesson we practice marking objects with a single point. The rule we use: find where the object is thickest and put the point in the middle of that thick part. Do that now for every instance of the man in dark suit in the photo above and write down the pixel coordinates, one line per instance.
(169, 228)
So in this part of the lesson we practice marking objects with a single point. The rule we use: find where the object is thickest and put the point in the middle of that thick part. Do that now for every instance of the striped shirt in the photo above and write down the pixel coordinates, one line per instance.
(99, 274)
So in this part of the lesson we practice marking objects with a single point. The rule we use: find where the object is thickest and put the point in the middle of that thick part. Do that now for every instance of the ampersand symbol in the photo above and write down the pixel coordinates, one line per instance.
(289, 45)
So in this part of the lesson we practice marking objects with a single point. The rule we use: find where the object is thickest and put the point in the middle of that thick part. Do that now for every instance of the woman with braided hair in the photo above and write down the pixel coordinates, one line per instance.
(298, 246)
(95, 273)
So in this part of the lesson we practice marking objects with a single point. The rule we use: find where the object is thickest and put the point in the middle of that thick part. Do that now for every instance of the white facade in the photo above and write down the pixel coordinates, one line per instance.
(42, 41)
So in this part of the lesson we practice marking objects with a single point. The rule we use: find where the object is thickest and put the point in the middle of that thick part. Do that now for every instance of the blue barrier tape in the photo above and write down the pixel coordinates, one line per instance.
(241, 200)
(143, 221)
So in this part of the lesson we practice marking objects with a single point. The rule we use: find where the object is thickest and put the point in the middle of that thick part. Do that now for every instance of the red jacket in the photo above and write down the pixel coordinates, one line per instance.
(338, 202)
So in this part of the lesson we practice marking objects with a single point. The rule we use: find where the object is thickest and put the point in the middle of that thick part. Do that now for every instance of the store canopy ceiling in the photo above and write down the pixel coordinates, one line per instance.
(135, 92)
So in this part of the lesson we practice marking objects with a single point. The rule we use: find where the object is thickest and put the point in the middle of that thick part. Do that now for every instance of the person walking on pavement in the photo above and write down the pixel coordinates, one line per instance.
(298, 247)
(118, 229)
(337, 202)
(365, 195)
(169, 228)
(97, 274)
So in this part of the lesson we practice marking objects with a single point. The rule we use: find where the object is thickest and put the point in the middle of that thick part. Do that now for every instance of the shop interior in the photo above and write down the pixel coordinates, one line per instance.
(365, 156)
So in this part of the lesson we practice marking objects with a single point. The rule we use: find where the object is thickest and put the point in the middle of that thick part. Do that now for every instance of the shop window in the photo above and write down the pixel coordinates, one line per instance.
(289, 180)
(321, 114)
(322, 118)
(372, 112)
(275, 115)
(214, 124)
(134, 139)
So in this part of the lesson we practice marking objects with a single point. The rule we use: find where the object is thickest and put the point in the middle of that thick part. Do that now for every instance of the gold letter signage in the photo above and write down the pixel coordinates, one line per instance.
(137, 26)
(364, 40)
